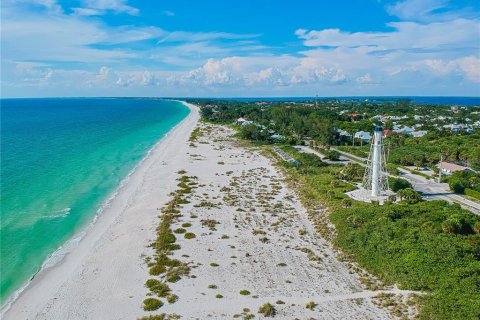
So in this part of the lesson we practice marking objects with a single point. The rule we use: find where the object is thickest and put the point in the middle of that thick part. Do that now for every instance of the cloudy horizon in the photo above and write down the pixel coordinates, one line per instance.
(175, 48)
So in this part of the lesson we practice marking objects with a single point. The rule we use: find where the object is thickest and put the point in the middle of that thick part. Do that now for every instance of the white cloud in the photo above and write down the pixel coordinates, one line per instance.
(99, 7)
(86, 12)
(405, 36)
(147, 79)
(103, 73)
(409, 47)
(428, 10)
(34, 37)
(47, 49)
(264, 71)
(213, 72)
(365, 79)
(471, 68)
(136, 78)
(169, 13)
(179, 36)
(468, 66)
(415, 9)
(50, 6)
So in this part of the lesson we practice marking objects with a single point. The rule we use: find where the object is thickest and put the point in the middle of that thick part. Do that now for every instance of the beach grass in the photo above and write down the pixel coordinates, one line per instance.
(164, 244)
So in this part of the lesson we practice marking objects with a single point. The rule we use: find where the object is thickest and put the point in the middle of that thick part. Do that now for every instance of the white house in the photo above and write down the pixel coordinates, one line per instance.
(443, 118)
(404, 130)
(419, 133)
(453, 127)
(243, 122)
(449, 168)
(363, 135)
(277, 137)
(344, 133)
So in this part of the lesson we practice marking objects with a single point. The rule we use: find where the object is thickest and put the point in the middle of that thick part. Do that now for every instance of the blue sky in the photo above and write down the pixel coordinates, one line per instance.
(239, 48)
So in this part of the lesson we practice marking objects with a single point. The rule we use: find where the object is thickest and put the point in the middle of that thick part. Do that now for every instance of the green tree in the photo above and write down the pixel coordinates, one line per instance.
(398, 184)
(409, 195)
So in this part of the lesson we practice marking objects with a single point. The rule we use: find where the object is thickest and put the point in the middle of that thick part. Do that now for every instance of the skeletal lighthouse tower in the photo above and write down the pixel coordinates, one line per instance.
(375, 178)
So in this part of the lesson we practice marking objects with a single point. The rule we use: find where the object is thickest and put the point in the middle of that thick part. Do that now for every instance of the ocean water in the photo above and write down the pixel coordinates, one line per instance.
(60, 160)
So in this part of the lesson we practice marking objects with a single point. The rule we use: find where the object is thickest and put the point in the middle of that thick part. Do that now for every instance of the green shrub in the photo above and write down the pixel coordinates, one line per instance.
(186, 224)
(311, 305)
(333, 155)
(457, 224)
(346, 203)
(310, 160)
(173, 278)
(161, 316)
(157, 269)
(190, 235)
(462, 180)
(172, 298)
(267, 310)
(396, 184)
(180, 230)
(151, 304)
(244, 292)
(218, 296)
(409, 195)
(157, 287)
(476, 227)
(472, 193)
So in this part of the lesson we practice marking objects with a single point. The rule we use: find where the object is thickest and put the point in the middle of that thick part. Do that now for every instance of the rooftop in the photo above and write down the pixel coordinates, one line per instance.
(452, 166)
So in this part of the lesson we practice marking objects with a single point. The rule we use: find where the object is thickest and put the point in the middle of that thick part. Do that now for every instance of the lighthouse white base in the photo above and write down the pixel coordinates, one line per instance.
(364, 195)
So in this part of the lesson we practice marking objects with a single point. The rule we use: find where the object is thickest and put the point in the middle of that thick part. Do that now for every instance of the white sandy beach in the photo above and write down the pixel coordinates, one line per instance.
(103, 276)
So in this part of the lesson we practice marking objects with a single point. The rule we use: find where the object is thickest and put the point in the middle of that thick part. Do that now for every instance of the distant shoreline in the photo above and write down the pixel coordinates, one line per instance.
(421, 100)
(467, 101)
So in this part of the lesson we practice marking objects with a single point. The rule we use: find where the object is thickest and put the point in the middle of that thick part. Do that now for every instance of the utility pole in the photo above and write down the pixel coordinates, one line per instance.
(440, 170)
(388, 151)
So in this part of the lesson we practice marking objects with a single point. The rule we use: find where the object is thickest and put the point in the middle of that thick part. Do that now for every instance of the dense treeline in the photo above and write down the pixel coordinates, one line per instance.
(299, 121)
(292, 121)
(462, 181)
(428, 150)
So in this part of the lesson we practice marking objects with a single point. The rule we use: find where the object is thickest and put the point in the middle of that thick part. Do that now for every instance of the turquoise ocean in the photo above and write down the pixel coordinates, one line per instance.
(60, 161)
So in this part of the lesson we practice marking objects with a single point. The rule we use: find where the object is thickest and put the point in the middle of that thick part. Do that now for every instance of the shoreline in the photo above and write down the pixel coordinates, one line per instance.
(94, 228)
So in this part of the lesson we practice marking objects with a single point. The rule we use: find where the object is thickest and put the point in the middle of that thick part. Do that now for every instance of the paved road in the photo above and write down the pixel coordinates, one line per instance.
(342, 159)
(432, 190)
(429, 189)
